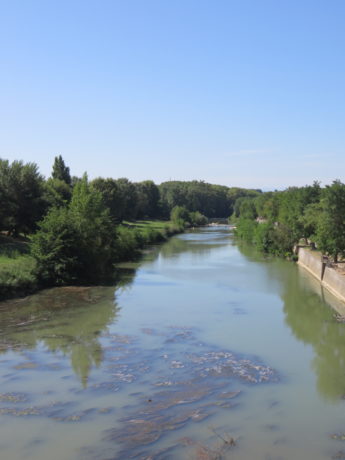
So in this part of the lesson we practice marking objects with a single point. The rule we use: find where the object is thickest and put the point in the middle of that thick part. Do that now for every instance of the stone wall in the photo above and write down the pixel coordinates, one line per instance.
(335, 282)
(311, 261)
(328, 276)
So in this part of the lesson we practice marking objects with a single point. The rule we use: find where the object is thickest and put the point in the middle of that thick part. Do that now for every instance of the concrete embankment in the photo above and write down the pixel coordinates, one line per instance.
(319, 266)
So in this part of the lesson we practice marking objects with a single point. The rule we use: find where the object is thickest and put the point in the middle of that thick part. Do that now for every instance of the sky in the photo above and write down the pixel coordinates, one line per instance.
(247, 93)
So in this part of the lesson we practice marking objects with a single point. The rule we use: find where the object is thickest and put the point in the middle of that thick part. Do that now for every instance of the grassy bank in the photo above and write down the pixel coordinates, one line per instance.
(134, 236)
(17, 267)
(17, 276)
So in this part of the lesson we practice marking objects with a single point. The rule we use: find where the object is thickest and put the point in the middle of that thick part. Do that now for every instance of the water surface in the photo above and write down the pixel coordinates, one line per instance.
(204, 350)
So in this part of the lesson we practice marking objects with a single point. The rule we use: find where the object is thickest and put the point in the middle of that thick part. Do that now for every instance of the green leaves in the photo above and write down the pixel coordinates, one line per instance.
(77, 243)
(61, 171)
(330, 233)
(21, 189)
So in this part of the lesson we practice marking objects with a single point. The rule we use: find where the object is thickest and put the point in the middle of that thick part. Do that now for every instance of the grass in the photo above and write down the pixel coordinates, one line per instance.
(11, 248)
(154, 224)
(17, 276)
(164, 227)
(17, 267)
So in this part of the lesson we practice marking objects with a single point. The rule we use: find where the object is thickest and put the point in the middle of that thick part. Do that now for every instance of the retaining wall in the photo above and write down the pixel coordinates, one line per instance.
(311, 261)
(335, 282)
(328, 276)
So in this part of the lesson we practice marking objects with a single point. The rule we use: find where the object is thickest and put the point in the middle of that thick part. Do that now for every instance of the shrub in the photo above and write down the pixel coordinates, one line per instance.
(245, 229)
(180, 216)
(128, 242)
(196, 218)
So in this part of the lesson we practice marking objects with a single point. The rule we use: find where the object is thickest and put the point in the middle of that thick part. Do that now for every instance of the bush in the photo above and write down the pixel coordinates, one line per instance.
(282, 241)
(246, 228)
(128, 242)
(179, 215)
(57, 248)
(263, 236)
(197, 219)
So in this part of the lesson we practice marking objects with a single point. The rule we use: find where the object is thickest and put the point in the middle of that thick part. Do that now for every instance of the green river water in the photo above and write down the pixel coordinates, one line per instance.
(204, 350)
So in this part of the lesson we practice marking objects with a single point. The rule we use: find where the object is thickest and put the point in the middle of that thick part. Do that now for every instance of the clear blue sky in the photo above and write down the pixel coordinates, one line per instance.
(243, 93)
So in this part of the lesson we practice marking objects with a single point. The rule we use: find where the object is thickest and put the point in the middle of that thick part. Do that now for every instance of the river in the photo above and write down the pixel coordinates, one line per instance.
(204, 350)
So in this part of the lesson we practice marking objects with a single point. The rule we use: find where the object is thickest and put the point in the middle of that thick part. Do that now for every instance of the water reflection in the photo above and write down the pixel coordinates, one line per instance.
(199, 242)
(310, 313)
(312, 320)
(71, 320)
(66, 320)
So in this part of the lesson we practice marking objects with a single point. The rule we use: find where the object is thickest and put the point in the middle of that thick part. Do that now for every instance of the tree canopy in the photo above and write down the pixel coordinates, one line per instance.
(21, 197)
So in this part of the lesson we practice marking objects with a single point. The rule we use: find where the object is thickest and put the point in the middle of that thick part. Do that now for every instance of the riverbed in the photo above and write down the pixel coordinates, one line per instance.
(205, 349)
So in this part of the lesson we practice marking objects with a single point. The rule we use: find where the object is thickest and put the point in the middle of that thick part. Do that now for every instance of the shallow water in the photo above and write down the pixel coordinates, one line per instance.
(205, 350)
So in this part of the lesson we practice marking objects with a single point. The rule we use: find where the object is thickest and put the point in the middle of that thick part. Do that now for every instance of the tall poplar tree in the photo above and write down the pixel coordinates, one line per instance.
(61, 171)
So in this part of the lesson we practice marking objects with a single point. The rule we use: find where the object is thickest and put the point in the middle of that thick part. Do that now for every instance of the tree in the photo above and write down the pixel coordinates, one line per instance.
(245, 207)
(120, 196)
(96, 230)
(209, 199)
(293, 203)
(148, 199)
(128, 198)
(196, 218)
(21, 195)
(57, 193)
(76, 243)
(111, 198)
(179, 214)
(330, 232)
(55, 246)
(61, 171)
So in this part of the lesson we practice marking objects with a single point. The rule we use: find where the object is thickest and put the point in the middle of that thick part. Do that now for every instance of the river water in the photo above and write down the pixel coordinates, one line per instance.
(204, 350)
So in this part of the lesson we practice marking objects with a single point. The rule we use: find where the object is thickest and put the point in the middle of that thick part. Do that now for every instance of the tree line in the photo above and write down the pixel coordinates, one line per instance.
(78, 228)
(26, 196)
(276, 221)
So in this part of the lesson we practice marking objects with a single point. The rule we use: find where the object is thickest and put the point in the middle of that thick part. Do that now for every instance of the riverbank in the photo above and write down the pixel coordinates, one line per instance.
(331, 276)
(17, 269)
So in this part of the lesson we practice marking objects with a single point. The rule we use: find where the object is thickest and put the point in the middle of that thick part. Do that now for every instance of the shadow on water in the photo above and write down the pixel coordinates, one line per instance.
(310, 313)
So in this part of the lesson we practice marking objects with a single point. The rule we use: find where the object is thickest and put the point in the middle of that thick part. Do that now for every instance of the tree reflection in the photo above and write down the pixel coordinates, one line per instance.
(68, 320)
(310, 314)
(201, 242)
(311, 319)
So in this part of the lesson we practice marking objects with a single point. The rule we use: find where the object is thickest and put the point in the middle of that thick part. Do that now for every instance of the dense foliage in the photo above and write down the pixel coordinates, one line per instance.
(76, 243)
(76, 229)
(21, 197)
(61, 171)
(208, 199)
(276, 221)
